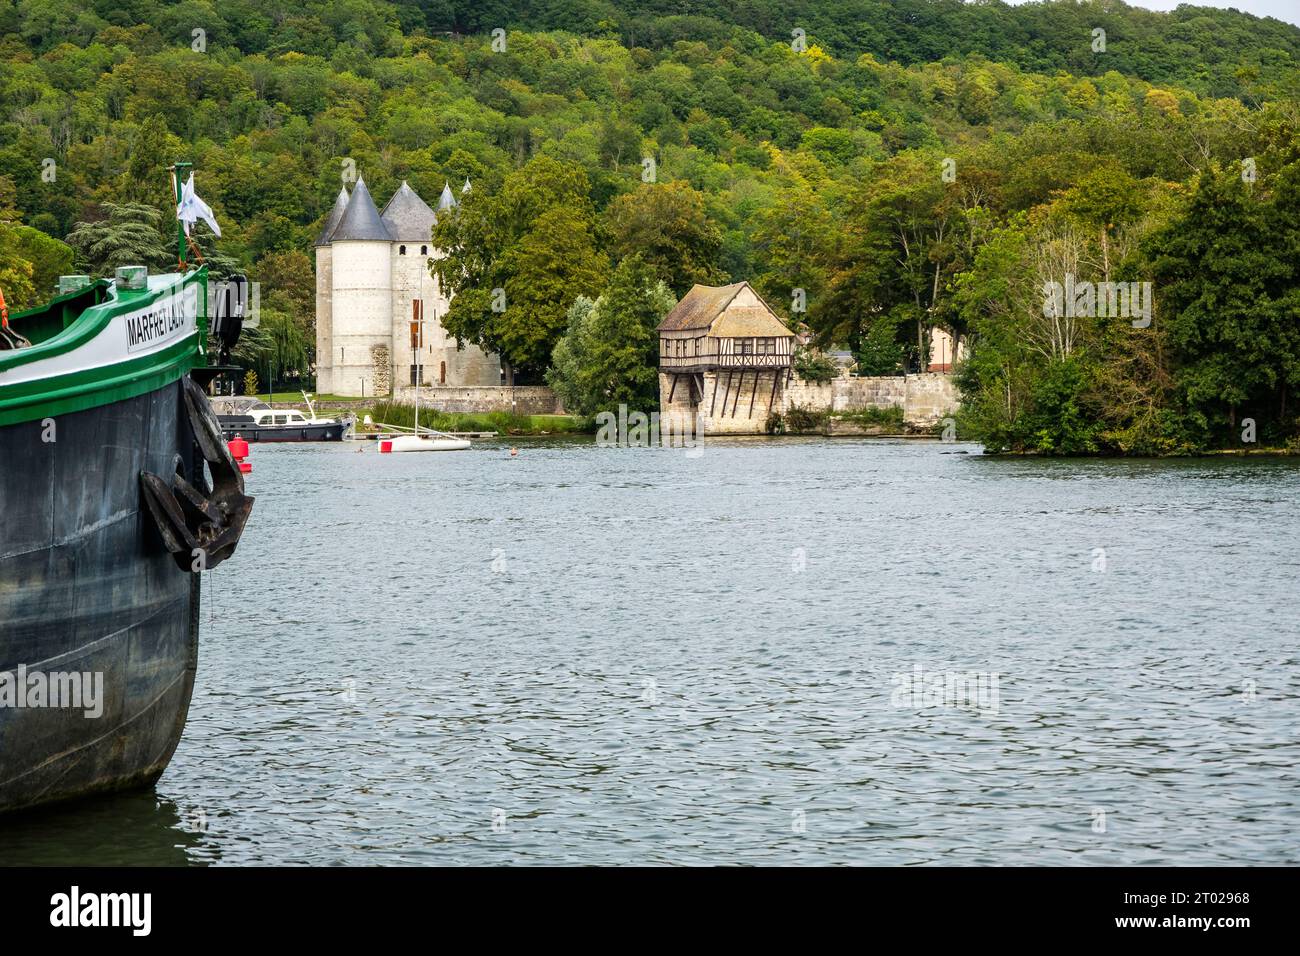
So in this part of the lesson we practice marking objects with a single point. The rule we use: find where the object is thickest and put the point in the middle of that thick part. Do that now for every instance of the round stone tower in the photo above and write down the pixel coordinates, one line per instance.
(361, 300)
(325, 296)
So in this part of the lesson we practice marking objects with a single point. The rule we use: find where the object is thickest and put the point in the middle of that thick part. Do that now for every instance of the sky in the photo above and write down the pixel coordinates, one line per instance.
(1288, 10)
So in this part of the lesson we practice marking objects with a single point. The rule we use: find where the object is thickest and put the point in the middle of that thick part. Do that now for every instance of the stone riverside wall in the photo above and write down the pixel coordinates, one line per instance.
(849, 394)
(931, 397)
(522, 399)
(926, 399)
(527, 399)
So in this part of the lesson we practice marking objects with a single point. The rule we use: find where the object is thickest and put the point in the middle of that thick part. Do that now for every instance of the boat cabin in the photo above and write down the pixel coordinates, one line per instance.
(277, 416)
(253, 411)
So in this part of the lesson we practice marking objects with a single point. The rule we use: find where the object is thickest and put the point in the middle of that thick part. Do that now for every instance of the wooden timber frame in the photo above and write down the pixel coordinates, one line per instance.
(732, 390)
(720, 329)
(694, 382)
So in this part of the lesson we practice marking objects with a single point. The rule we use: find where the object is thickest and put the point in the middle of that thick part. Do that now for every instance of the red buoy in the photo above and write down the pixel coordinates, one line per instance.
(239, 451)
(385, 447)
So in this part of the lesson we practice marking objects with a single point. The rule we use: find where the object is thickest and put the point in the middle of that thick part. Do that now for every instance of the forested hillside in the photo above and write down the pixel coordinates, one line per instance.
(903, 164)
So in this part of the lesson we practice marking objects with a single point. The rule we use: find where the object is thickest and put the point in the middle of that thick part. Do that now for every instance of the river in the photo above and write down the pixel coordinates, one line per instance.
(791, 651)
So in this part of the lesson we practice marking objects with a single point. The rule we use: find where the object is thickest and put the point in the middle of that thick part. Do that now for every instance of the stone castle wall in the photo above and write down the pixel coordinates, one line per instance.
(361, 295)
(324, 319)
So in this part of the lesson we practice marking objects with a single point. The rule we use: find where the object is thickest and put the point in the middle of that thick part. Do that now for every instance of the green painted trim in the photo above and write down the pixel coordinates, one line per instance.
(44, 322)
(91, 388)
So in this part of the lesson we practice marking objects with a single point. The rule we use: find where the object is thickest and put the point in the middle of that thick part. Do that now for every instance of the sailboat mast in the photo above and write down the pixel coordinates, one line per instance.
(419, 347)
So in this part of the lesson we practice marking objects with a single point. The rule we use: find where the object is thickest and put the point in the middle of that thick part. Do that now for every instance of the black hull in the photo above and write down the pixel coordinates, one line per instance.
(259, 434)
(87, 587)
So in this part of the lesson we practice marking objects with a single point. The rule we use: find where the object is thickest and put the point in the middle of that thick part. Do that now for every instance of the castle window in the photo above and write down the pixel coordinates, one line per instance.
(401, 250)
(442, 373)
(424, 250)
(417, 315)
(415, 371)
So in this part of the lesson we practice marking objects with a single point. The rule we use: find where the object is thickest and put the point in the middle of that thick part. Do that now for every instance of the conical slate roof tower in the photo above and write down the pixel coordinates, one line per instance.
(360, 221)
(446, 200)
(340, 204)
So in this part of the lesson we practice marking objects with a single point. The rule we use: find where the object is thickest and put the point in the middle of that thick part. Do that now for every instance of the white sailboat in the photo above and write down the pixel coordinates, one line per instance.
(432, 439)
(435, 441)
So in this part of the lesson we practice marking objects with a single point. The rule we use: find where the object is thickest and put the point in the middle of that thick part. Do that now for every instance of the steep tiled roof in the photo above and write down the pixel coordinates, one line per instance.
(706, 307)
(699, 307)
(746, 322)
(407, 217)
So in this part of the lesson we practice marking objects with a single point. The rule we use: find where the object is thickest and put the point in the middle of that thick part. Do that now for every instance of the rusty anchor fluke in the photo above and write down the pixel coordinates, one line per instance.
(200, 526)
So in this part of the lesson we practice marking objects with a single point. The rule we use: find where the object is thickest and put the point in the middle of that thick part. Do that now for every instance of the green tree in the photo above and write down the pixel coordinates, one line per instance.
(667, 226)
(127, 235)
(49, 258)
(516, 261)
(145, 180)
(15, 271)
(609, 354)
(1228, 280)
(793, 240)
(1105, 200)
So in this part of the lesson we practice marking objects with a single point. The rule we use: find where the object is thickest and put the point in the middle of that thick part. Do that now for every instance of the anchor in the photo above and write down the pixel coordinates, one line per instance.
(191, 517)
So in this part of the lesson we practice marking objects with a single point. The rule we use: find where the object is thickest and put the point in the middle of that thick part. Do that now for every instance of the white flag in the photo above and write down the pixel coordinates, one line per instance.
(191, 207)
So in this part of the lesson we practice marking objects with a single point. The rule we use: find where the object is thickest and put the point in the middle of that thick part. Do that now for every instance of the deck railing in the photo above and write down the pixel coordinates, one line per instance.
(703, 363)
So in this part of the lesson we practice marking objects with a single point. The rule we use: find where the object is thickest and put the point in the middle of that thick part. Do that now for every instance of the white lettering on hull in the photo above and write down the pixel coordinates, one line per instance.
(166, 320)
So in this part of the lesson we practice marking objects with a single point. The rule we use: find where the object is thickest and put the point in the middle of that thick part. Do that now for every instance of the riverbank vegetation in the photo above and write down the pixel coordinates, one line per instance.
(403, 416)
(872, 168)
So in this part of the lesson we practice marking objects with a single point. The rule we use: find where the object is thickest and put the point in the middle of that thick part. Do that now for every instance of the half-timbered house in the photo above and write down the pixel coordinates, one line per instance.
(724, 356)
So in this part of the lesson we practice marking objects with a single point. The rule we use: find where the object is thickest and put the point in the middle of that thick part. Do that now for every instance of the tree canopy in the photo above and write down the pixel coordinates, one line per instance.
(873, 168)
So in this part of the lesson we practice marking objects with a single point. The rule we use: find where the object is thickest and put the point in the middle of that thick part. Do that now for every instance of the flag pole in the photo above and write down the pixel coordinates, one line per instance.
(177, 171)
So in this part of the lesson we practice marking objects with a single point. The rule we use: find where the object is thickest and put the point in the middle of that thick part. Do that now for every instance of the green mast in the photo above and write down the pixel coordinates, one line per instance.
(180, 226)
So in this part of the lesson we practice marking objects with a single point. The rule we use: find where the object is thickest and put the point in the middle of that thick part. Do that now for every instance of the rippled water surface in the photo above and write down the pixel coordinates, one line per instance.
(587, 655)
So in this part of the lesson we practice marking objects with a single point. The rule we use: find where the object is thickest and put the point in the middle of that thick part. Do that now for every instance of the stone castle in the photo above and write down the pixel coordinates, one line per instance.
(378, 309)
